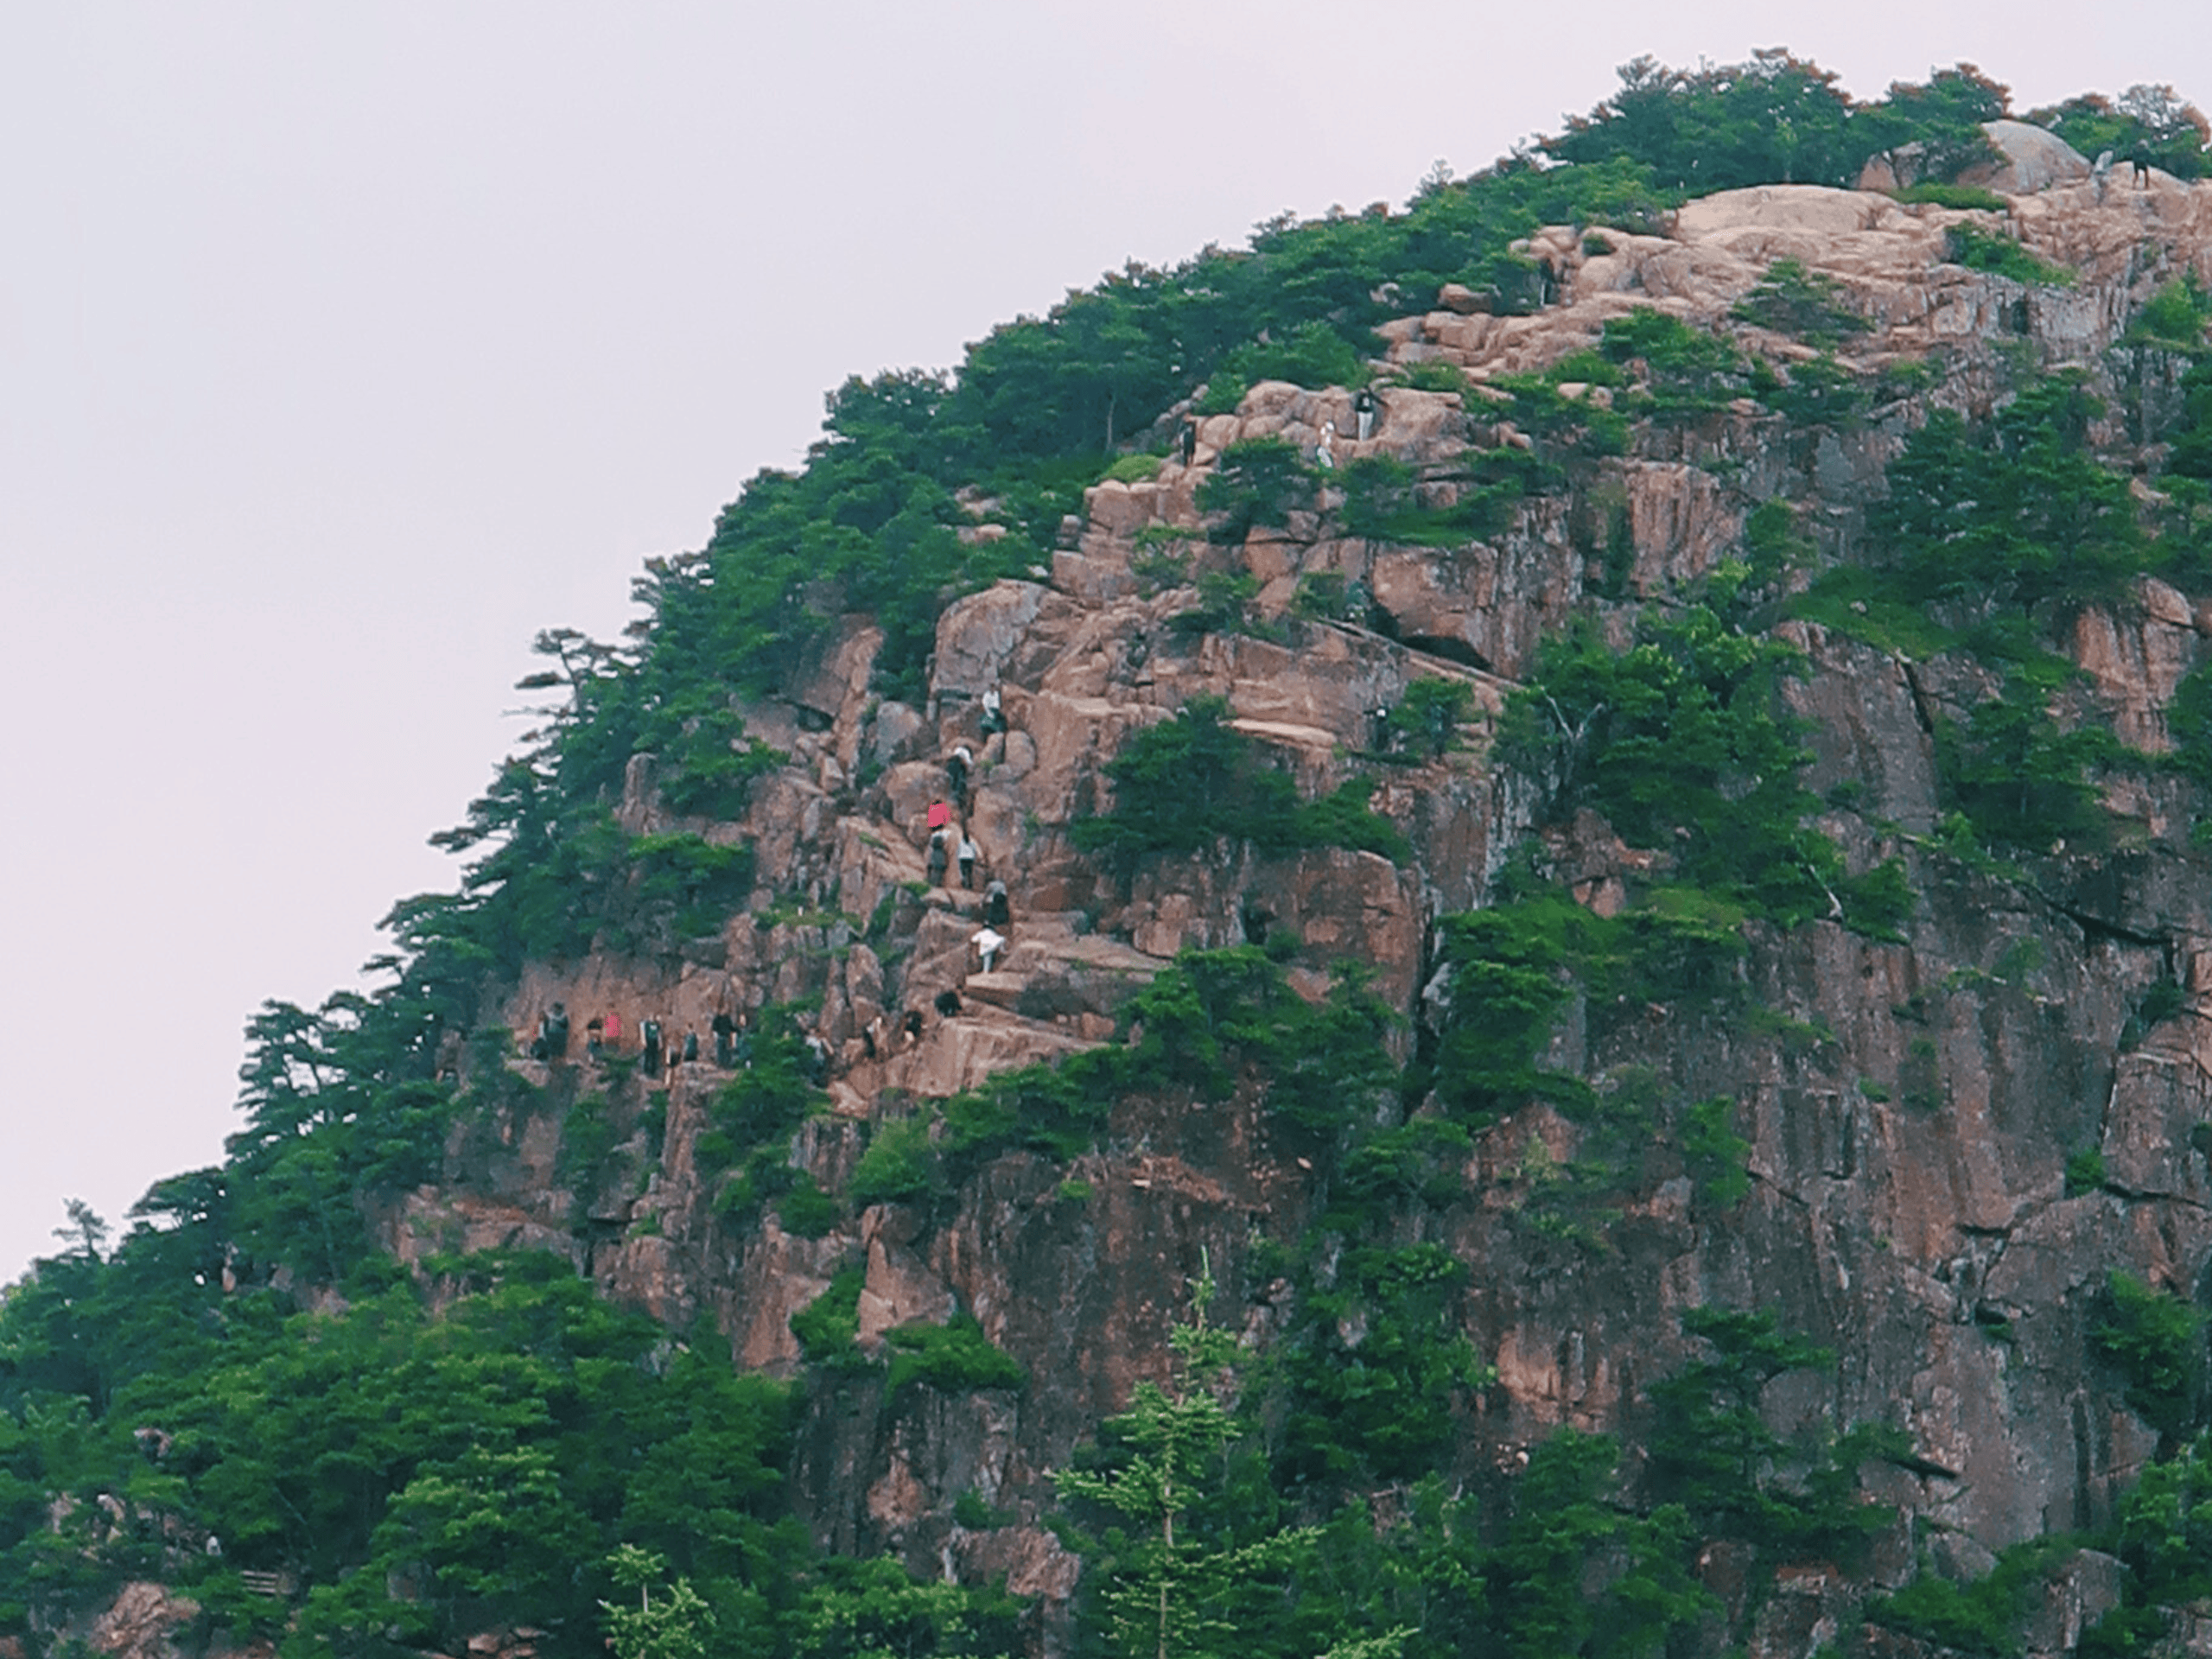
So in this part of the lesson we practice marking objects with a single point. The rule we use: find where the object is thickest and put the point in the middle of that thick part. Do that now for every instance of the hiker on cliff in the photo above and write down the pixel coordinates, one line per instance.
(724, 1029)
(615, 1033)
(1363, 405)
(691, 1047)
(939, 817)
(957, 771)
(1186, 440)
(989, 941)
(818, 1060)
(741, 1046)
(937, 859)
(1323, 455)
(996, 911)
(2139, 162)
(912, 1024)
(967, 856)
(947, 1004)
(554, 1029)
(594, 1036)
(649, 1034)
(1359, 602)
(994, 717)
(2100, 170)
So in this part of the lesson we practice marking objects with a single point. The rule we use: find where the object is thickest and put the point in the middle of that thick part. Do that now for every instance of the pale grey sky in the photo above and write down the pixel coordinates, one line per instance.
(341, 348)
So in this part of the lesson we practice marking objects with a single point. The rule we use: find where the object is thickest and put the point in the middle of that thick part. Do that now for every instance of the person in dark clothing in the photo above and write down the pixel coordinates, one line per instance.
(913, 1023)
(649, 1035)
(2138, 161)
(691, 1046)
(725, 1029)
(1186, 438)
(818, 1060)
(937, 859)
(996, 910)
(1363, 407)
(594, 1036)
(948, 1004)
(957, 771)
(555, 1032)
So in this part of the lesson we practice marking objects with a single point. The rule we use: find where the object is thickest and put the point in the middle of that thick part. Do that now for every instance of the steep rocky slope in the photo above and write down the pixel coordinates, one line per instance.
(1910, 1104)
(1616, 897)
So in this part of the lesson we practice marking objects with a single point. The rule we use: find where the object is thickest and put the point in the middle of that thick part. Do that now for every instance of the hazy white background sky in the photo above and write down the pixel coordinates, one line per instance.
(342, 347)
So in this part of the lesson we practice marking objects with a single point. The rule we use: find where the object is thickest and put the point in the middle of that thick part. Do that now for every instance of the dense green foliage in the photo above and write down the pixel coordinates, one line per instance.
(1213, 1020)
(750, 1123)
(2157, 1341)
(1714, 1452)
(1978, 250)
(1681, 744)
(1182, 784)
(1985, 1616)
(827, 1326)
(951, 1357)
(1778, 119)
(489, 1453)
(1379, 1403)
(2165, 1526)
(2016, 515)
(2149, 122)
(1993, 535)
(1791, 300)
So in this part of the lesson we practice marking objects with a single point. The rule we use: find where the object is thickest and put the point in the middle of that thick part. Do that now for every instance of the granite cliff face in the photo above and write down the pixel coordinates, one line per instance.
(1910, 1106)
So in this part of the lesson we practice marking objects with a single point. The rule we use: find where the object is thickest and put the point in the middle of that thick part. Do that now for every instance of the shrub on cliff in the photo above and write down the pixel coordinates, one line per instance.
(2013, 515)
(827, 1326)
(1257, 484)
(895, 1168)
(2166, 1527)
(1808, 305)
(1985, 1617)
(1375, 1368)
(1713, 1451)
(1687, 371)
(953, 1358)
(1185, 783)
(1681, 742)
(1540, 1581)
(2157, 1343)
(1978, 250)
(2020, 779)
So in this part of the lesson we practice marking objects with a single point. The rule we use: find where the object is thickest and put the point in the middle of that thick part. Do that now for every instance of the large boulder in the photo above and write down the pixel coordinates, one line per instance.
(2029, 159)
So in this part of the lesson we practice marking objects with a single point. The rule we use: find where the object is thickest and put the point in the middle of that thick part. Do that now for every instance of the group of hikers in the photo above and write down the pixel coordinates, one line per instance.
(603, 1040)
(950, 843)
(1365, 409)
(732, 1036)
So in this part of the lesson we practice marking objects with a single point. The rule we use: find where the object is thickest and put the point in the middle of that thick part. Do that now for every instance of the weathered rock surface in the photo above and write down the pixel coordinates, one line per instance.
(1911, 1113)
